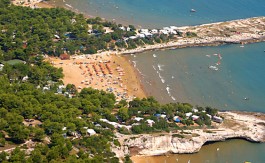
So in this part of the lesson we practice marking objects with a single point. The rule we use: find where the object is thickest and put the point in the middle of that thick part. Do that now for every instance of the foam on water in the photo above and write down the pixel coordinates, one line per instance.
(242, 73)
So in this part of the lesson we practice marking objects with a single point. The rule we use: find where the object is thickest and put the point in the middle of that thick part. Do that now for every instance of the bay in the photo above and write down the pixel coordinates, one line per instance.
(183, 74)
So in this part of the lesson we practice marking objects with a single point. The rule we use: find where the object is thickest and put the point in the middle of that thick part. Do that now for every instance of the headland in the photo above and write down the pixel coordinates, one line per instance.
(243, 125)
(249, 126)
(241, 31)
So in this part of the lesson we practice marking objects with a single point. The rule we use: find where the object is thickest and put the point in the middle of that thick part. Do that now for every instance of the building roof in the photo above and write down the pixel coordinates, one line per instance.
(91, 131)
(64, 56)
(138, 119)
(188, 114)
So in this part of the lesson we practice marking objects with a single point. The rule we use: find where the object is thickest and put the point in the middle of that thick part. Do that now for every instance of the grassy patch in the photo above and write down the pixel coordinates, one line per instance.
(178, 136)
(208, 131)
(195, 135)
(14, 61)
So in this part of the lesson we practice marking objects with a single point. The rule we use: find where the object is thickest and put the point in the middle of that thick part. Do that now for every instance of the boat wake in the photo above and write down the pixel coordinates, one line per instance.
(161, 78)
(154, 67)
(160, 67)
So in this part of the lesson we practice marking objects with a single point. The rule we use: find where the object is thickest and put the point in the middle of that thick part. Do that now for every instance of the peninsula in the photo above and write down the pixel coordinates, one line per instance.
(241, 31)
(46, 116)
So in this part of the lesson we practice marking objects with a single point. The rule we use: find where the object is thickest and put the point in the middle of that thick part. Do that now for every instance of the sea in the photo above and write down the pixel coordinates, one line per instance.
(183, 75)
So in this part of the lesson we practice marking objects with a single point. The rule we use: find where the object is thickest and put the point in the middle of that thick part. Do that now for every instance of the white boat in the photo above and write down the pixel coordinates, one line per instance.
(192, 10)
(154, 55)
(246, 98)
(213, 68)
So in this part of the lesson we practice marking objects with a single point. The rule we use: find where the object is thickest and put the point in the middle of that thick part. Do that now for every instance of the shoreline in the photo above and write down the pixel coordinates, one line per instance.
(249, 33)
(108, 72)
(244, 125)
(240, 31)
(195, 143)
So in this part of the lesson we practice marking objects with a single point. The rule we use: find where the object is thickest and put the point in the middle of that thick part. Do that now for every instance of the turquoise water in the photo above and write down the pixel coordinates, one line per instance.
(158, 13)
(184, 76)
(185, 72)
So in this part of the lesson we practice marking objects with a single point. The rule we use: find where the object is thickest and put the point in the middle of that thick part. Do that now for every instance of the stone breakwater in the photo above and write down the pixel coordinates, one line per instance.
(249, 126)
(231, 32)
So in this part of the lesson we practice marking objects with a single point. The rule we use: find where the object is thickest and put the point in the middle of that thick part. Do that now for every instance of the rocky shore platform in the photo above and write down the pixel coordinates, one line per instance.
(240, 31)
(237, 125)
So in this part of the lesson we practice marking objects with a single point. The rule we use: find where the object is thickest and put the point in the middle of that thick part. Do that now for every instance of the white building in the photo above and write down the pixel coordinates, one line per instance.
(64, 128)
(209, 116)
(163, 116)
(188, 114)
(170, 30)
(122, 28)
(195, 117)
(57, 37)
(150, 122)
(91, 132)
(141, 35)
(138, 119)
(217, 119)
(132, 37)
(194, 110)
(154, 31)
(162, 31)
(147, 34)
(144, 30)
(173, 27)
(1, 67)
(25, 78)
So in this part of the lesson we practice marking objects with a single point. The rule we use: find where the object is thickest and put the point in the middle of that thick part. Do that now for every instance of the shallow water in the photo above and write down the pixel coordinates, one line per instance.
(183, 74)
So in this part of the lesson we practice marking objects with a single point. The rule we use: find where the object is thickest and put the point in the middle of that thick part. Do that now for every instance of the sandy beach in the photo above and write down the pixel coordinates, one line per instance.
(108, 72)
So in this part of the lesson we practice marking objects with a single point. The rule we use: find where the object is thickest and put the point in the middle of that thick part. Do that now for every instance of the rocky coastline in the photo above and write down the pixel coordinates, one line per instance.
(242, 31)
(243, 125)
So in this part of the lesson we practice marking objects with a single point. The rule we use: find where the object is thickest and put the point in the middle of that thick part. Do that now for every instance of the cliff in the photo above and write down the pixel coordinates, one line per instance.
(249, 126)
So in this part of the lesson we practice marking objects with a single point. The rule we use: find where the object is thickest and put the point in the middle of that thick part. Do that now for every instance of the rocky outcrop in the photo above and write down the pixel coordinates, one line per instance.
(247, 126)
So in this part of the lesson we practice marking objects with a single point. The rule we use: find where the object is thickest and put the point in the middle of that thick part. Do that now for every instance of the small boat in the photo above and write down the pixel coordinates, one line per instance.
(218, 63)
(246, 98)
(242, 45)
(192, 10)
(220, 57)
(213, 68)
(154, 55)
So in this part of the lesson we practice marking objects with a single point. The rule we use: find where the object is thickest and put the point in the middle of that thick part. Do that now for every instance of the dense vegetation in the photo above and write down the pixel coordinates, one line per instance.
(22, 100)
(149, 108)
(25, 32)
(33, 115)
